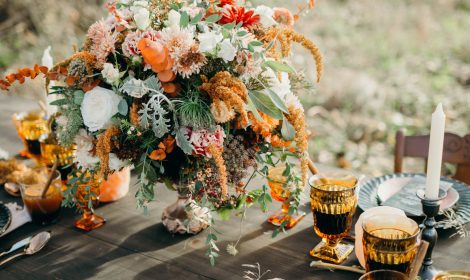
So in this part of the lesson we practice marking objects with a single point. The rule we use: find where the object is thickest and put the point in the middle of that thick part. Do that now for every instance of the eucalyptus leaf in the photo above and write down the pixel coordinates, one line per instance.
(252, 108)
(264, 103)
(184, 20)
(123, 108)
(278, 66)
(197, 18)
(78, 96)
(213, 18)
(59, 102)
(287, 130)
(278, 101)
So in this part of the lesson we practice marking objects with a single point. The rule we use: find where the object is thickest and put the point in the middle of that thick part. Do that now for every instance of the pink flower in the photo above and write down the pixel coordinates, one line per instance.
(202, 138)
(103, 41)
(129, 46)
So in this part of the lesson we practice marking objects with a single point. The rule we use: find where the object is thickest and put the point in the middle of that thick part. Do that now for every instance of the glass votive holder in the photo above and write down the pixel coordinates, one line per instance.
(384, 275)
(43, 209)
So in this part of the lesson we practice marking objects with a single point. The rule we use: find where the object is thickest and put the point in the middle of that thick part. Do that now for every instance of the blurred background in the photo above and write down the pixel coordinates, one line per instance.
(387, 64)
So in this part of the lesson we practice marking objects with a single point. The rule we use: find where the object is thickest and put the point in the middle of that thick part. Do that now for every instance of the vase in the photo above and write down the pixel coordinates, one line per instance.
(184, 216)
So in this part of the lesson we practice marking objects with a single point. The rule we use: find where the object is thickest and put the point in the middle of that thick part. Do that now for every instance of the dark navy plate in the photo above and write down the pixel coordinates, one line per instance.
(5, 218)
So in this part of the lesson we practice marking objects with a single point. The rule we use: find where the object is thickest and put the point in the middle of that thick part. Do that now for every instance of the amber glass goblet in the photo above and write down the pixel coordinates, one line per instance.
(280, 192)
(333, 203)
(52, 151)
(390, 242)
(87, 197)
(30, 127)
(384, 275)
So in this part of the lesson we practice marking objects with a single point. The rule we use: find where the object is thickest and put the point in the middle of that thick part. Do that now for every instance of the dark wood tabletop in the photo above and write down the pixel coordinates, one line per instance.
(134, 246)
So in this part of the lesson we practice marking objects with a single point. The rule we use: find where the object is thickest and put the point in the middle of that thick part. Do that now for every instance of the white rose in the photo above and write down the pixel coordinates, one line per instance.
(115, 163)
(174, 19)
(266, 16)
(124, 2)
(227, 51)
(111, 74)
(98, 107)
(281, 87)
(84, 143)
(135, 88)
(208, 41)
(141, 18)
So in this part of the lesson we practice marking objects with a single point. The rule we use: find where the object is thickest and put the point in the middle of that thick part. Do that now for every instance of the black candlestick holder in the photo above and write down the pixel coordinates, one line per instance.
(430, 209)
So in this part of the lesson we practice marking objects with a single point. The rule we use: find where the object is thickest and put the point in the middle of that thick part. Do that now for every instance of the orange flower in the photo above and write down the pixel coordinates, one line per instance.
(169, 144)
(158, 154)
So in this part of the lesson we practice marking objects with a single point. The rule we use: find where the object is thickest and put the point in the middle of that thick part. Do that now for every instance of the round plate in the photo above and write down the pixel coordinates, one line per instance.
(5, 218)
(369, 193)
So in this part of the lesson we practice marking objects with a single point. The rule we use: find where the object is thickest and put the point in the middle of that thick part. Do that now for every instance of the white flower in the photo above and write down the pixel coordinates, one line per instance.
(84, 143)
(266, 16)
(292, 100)
(111, 74)
(281, 87)
(98, 107)
(174, 19)
(115, 163)
(208, 41)
(135, 88)
(227, 51)
(141, 17)
(124, 2)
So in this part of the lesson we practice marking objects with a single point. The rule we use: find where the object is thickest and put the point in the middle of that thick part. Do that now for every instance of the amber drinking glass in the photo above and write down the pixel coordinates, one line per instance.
(333, 203)
(390, 242)
(52, 151)
(384, 275)
(280, 192)
(453, 275)
(87, 197)
(30, 127)
(42, 209)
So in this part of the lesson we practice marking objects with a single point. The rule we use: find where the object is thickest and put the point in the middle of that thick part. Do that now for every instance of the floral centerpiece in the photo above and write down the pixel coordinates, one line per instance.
(196, 94)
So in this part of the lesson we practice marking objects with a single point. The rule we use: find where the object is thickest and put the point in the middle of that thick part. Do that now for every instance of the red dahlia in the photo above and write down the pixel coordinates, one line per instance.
(237, 14)
(226, 2)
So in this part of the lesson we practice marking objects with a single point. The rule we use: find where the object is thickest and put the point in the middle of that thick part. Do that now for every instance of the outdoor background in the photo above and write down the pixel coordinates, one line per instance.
(387, 64)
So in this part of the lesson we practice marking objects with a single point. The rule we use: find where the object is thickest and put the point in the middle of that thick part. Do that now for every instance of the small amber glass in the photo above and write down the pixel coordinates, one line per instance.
(384, 275)
(52, 151)
(30, 126)
(333, 203)
(280, 192)
(87, 197)
(43, 210)
(390, 242)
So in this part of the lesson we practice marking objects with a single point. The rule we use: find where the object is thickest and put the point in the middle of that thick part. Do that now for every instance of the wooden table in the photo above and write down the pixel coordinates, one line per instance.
(134, 246)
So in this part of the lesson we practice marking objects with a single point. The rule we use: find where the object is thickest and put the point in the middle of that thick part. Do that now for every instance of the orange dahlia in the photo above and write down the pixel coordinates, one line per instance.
(236, 14)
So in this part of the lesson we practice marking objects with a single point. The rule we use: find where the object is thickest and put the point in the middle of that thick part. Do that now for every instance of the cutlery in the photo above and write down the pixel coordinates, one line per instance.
(36, 244)
(17, 245)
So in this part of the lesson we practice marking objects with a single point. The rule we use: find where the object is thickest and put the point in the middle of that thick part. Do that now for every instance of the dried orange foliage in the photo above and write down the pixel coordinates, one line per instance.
(216, 153)
(164, 148)
(21, 76)
(265, 127)
(296, 117)
(285, 37)
(104, 147)
(223, 87)
(134, 113)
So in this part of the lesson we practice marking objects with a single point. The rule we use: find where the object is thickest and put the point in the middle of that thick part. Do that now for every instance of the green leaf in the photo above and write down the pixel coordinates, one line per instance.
(265, 104)
(224, 214)
(213, 19)
(123, 107)
(183, 142)
(278, 66)
(197, 18)
(229, 26)
(78, 96)
(59, 102)
(184, 20)
(287, 130)
(241, 33)
(278, 101)
(252, 108)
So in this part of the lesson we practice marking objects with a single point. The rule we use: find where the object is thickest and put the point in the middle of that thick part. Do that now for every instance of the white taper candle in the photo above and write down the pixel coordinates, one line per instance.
(436, 144)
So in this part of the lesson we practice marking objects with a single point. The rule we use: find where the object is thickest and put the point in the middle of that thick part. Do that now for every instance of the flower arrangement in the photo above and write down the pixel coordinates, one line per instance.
(196, 94)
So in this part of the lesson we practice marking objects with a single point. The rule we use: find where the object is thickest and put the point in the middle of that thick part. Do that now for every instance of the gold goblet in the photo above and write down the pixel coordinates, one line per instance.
(280, 192)
(87, 197)
(51, 151)
(390, 242)
(333, 203)
(30, 127)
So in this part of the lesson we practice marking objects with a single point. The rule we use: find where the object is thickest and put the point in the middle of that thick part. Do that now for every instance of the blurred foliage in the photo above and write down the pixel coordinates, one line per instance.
(387, 64)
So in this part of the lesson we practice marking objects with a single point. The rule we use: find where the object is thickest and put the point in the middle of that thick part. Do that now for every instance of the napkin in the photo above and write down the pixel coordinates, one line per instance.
(19, 217)
(379, 210)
